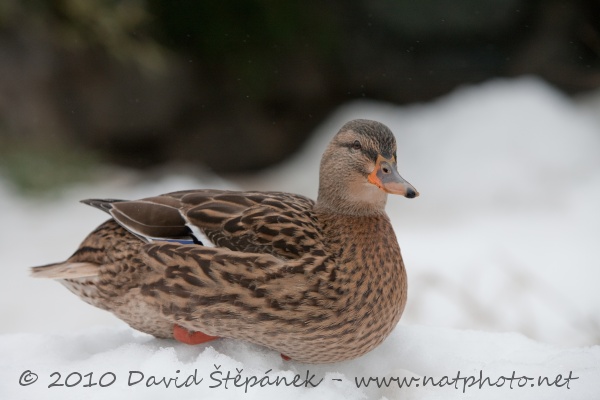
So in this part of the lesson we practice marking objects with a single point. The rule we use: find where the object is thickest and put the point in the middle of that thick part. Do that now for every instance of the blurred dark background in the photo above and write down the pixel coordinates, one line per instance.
(238, 85)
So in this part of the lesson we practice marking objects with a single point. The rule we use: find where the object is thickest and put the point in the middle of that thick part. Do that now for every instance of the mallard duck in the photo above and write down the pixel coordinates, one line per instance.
(318, 282)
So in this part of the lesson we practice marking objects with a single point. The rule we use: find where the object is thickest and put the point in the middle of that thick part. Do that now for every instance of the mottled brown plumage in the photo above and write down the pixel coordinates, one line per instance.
(319, 282)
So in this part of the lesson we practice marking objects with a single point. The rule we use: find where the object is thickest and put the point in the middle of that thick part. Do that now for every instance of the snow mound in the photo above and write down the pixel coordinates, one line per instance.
(415, 362)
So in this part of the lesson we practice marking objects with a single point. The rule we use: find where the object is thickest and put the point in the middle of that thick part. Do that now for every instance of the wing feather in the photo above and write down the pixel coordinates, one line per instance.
(280, 224)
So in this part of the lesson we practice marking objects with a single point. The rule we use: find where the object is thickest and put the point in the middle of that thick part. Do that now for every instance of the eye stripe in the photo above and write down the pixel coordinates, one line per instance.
(372, 154)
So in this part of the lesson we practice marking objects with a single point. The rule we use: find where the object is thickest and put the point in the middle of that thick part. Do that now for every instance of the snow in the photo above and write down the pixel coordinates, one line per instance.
(500, 248)
(411, 351)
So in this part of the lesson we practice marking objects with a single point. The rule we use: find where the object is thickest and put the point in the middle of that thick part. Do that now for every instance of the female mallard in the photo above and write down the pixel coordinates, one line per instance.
(319, 282)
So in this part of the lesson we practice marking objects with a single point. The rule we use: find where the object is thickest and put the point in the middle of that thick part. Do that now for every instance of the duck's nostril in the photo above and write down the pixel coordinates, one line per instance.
(385, 170)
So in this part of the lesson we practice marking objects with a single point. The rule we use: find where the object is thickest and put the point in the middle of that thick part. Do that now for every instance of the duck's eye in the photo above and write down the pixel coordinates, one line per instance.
(356, 145)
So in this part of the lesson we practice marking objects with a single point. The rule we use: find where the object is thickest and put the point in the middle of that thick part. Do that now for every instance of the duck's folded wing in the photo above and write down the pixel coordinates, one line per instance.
(276, 223)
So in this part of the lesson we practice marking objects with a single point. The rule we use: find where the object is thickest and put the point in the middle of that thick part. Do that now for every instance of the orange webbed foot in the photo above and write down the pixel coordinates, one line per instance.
(184, 336)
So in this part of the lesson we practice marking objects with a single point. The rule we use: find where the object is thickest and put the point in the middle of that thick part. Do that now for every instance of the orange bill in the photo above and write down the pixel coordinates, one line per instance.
(386, 177)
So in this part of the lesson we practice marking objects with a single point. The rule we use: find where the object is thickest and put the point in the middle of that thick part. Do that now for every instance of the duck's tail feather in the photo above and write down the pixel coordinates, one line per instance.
(66, 270)
(101, 204)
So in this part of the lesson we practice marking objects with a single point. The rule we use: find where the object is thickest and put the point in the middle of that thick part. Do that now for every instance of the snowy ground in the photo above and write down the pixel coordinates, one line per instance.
(501, 251)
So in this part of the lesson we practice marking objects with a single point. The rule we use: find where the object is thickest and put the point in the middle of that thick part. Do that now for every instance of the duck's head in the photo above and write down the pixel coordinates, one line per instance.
(358, 170)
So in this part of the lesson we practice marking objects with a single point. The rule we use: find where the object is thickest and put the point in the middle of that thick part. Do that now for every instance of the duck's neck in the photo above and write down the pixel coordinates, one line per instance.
(372, 235)
(362, 202)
